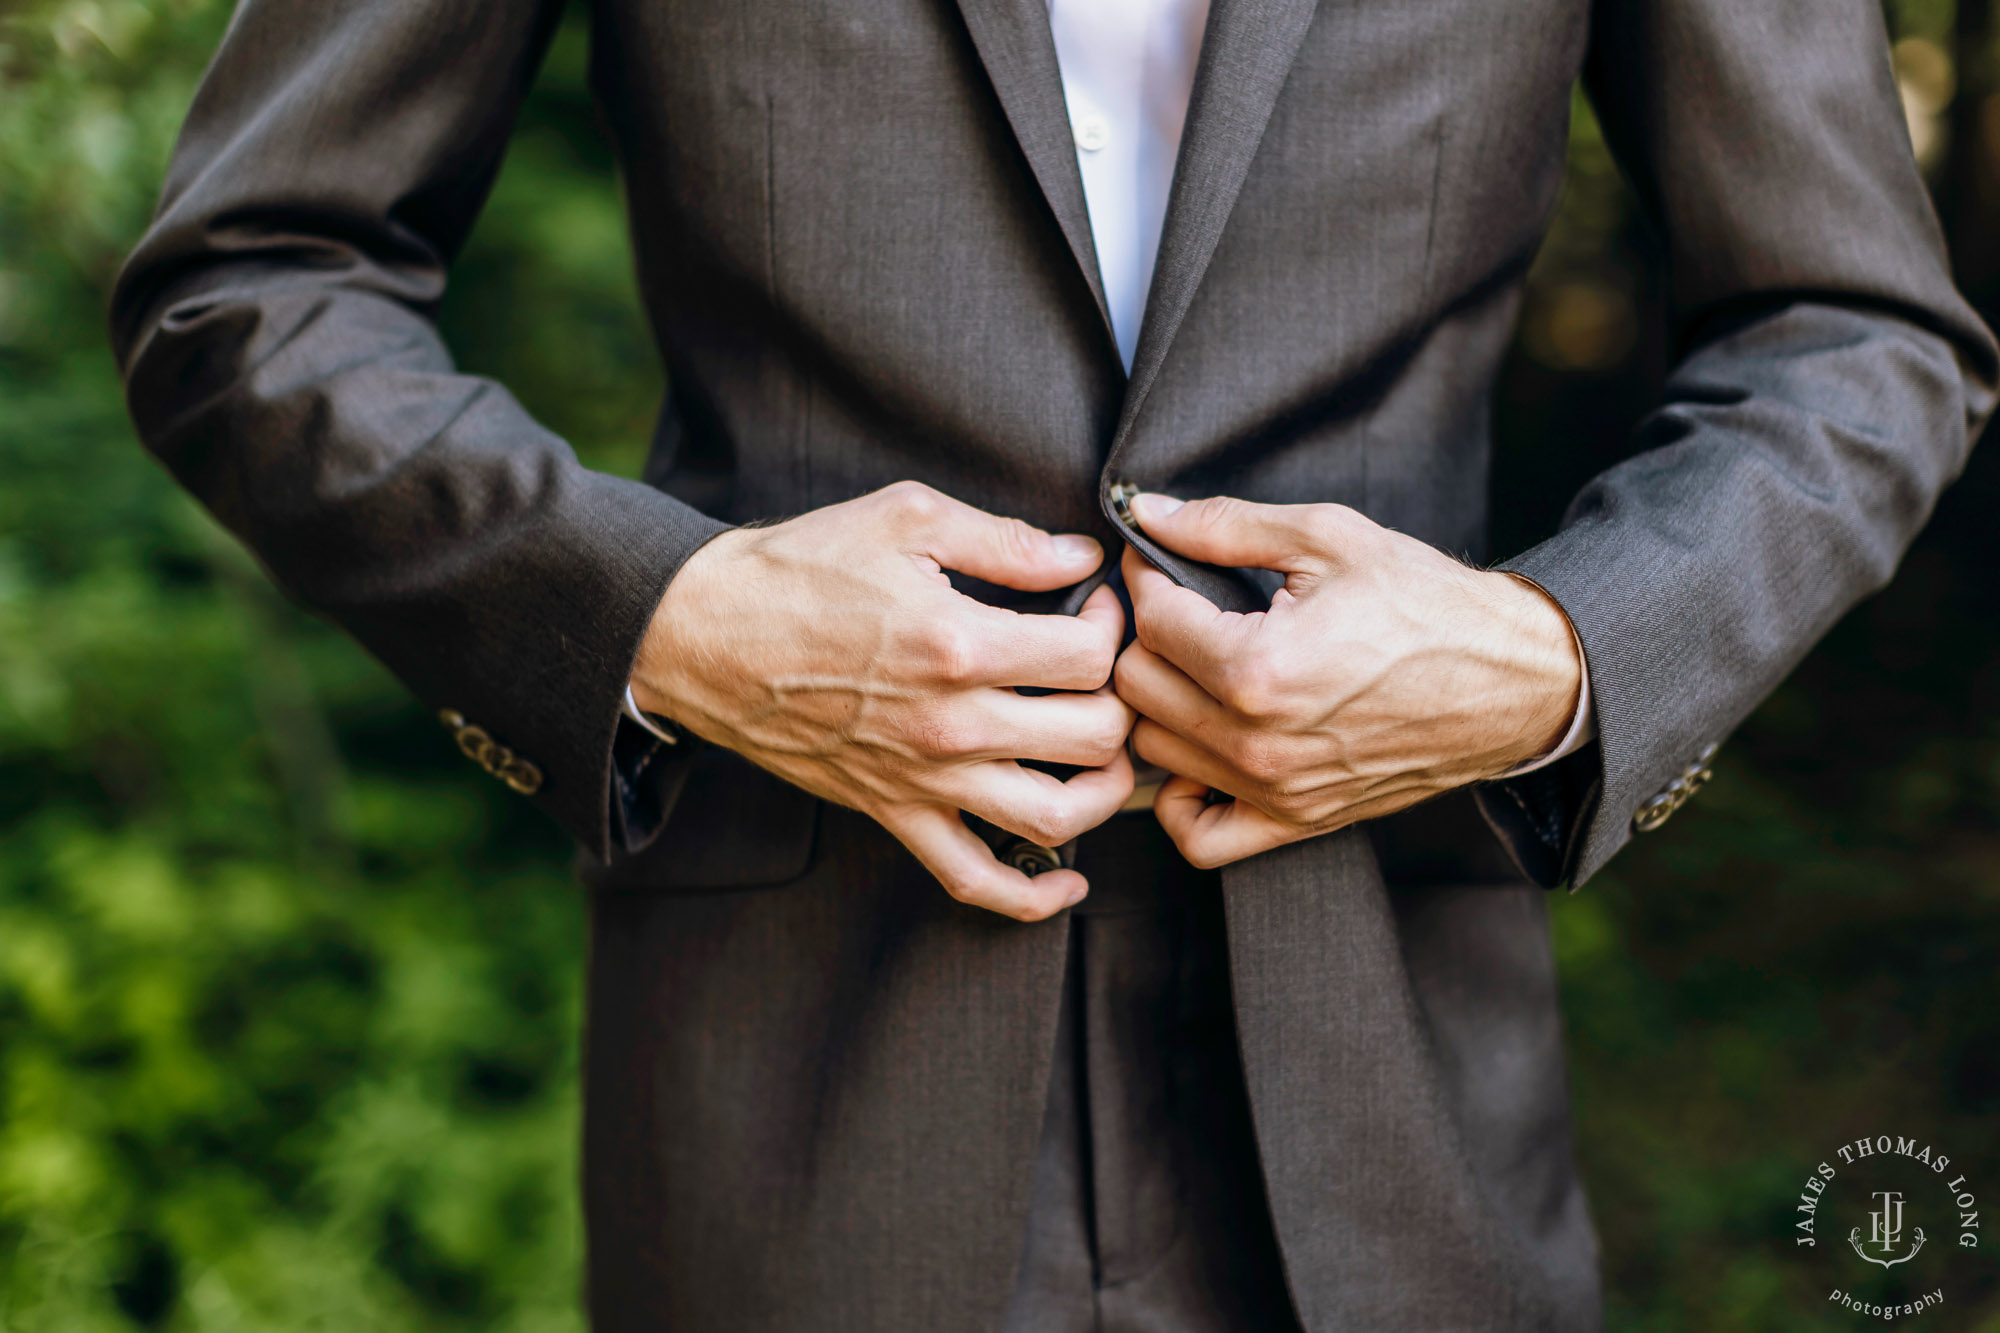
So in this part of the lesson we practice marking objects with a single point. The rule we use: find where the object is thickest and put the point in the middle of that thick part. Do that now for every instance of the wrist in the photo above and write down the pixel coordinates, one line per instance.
(659, 683)
(1549, 670)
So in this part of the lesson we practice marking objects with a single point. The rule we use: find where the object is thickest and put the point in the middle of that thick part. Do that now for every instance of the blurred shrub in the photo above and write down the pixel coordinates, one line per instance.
(288, 994)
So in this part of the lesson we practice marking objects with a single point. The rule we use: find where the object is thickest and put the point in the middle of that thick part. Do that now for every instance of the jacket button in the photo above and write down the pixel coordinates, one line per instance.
(1031, 858)
(1122, 493)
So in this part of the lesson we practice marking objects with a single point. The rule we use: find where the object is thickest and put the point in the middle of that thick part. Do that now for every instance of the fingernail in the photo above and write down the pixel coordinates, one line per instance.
(1151, 504)
(1077, 897)
(1078, 549)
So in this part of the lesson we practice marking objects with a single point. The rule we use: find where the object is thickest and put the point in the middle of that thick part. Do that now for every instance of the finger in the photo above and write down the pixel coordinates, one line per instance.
(1039, 806)
(1184, 758)
(987, 546)
(969, 871)
(1103, 612)
(1223, 530)
(1209, 840)
(1184, 627)
(1163, 692)
(989, 645)
(1215, 835)
(1088, 730)
(1332, 809)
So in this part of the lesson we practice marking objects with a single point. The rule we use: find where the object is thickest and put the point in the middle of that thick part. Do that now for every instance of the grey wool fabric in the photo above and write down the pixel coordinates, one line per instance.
(815, 1084)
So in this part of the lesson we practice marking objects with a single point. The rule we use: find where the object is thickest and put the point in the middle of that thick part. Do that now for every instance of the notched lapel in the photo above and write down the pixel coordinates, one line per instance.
(1246, 54)
(1017, 47)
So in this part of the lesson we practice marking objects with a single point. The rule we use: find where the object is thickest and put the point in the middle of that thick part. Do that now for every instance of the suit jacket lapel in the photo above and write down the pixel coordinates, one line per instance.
(1019, 51)
(1246, 54)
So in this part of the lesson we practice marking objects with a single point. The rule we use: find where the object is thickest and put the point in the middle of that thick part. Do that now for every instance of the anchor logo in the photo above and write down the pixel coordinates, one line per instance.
(1885, 1231)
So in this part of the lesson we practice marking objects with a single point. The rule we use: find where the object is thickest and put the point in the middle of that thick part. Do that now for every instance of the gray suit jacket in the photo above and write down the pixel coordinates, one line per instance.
(862, 240)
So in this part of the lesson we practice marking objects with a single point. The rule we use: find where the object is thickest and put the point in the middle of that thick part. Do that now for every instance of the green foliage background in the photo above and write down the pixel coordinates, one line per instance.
(289, 994)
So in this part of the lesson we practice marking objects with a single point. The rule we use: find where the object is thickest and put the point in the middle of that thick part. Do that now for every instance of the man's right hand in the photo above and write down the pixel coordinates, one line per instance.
(832, 650)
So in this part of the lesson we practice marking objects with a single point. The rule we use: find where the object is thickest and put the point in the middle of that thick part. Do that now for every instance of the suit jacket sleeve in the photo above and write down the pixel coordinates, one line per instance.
(276, 331)
(1832, 382)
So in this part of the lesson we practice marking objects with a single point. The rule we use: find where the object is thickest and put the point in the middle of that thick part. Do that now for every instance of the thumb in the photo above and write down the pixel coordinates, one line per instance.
(999, 550)
(1223, 530)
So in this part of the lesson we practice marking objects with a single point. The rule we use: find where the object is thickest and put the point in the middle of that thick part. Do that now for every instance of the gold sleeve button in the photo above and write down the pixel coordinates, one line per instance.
(478, 745)
(1661, 807)
(521, 775)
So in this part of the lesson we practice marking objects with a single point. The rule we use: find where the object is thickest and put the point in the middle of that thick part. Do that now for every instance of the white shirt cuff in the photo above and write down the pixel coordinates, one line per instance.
(631, 709)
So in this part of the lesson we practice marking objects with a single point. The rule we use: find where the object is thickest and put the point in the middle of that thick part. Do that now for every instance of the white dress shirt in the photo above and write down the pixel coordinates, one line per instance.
(1127, 73)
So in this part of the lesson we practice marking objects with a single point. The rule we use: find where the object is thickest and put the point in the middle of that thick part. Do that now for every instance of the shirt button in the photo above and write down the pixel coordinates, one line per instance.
(1092, 133)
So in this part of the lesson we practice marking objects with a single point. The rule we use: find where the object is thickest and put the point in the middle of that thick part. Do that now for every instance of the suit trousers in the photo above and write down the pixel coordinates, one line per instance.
(1148, 1212)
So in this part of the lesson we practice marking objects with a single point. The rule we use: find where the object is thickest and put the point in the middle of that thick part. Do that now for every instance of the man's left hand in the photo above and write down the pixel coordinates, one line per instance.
(1384, 672)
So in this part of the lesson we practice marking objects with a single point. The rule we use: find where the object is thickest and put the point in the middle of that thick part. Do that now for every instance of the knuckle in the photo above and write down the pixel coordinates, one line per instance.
(1101, 659)
(1339, 525)
(1124, 672)
(1074, 823)
(1046, 829)
(1032, 911)
(950, 653)
(971, 887)
(1048, 823)
(1290, 794)
(913, 500)
(1105, 659)
(1252, 690)
(1199, 852)
(1108, 740)
(1258, 759)
(1146, 744)
(1325, 524)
